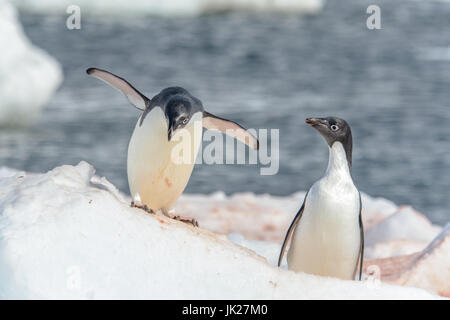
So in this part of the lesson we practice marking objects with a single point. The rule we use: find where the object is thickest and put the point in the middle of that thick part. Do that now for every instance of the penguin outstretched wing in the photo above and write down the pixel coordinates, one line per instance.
(231, 128)
(291, 229)
(136, 98)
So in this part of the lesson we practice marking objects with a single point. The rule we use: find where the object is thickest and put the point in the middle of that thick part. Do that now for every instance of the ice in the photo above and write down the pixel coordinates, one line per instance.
(393, 248)
(376, 209)
(428, 269)
(257, 217)
(431, 268)
(269, 250)
(61, 236)
(6, 172)
(406, 223)
(28, 75)
(169, 7)
(264, 217)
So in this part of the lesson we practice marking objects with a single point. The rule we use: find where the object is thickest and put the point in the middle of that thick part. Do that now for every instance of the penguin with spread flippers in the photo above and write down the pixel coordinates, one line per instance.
(165, 142)
(327, 232)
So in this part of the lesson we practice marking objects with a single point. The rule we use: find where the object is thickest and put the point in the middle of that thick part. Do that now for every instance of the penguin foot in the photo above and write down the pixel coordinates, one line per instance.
(142, 206)
(186, 220)
(180, 218)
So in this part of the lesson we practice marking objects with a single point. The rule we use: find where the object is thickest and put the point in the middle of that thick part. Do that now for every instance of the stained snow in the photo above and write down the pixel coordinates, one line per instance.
(61, 236)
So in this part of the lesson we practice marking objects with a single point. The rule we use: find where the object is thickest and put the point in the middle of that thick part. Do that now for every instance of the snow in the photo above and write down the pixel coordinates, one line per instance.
(394, 235)
(428, 269)
(265, 217)
(28, 75)
(431, 268)
(69, 234)
(406, 223)
(6, 172)
(393, 248)
(258, 217)
(169, 7)
(269, 250)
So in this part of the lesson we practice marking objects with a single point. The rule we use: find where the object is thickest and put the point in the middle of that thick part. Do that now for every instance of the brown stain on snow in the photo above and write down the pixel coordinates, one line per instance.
(162, 221)
(269, 227)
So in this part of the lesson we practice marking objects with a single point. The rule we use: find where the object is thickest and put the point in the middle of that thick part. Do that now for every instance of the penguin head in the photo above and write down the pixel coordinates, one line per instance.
(178, 114)
(334, 130)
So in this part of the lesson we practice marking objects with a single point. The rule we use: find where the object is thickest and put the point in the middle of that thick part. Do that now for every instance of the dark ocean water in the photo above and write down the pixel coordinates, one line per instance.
(264, 71)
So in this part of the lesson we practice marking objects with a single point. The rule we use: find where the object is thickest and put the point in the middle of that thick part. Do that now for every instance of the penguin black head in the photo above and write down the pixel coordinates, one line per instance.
(334, 130)
(178, 114)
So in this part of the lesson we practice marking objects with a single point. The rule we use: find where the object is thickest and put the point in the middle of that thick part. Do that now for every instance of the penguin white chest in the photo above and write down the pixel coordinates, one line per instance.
(158, 169)
(327, 240)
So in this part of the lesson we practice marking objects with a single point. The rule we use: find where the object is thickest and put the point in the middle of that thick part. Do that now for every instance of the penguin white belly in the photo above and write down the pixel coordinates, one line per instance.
(156, 174)
(326, 240)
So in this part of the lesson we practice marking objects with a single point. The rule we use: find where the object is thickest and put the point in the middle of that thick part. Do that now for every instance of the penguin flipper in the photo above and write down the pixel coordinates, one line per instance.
(291, 229)
(231, 128)
(136, 98)
(361, 250)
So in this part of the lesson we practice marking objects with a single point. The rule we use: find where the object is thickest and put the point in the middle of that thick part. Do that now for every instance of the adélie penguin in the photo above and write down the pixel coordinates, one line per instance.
(327, 232)
(165, 142)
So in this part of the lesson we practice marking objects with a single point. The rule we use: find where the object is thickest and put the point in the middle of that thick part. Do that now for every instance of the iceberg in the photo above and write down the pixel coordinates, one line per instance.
(69, 234)
(28, 75)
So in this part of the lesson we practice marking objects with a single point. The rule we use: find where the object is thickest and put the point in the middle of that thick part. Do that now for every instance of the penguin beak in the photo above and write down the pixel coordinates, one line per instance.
(313, 122)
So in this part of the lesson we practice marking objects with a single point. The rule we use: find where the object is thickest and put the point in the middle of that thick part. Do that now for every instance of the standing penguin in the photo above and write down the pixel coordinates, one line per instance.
(156, 174)
(327, 232)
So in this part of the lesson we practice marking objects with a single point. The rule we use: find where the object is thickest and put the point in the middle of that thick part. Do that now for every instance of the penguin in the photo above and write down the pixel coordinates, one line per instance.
(157, 176)
(327, 232)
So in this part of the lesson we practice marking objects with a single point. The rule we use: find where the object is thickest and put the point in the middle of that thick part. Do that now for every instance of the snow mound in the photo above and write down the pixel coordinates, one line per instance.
(406, 223)
(431, 268)
(257, 217)
(267, 218)
(428, 269)
(8, 172)
(169, 7)
(63, 237)
(269, 250)
(28, 75)
(393, 234)
(393, 248)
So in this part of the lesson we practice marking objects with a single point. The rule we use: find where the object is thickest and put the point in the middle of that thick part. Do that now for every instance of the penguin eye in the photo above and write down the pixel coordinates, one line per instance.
(185, 120)
(334, 127)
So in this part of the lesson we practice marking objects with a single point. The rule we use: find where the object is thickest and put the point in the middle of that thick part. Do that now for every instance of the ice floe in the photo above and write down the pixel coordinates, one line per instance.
(28, 75)
(70, 234)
